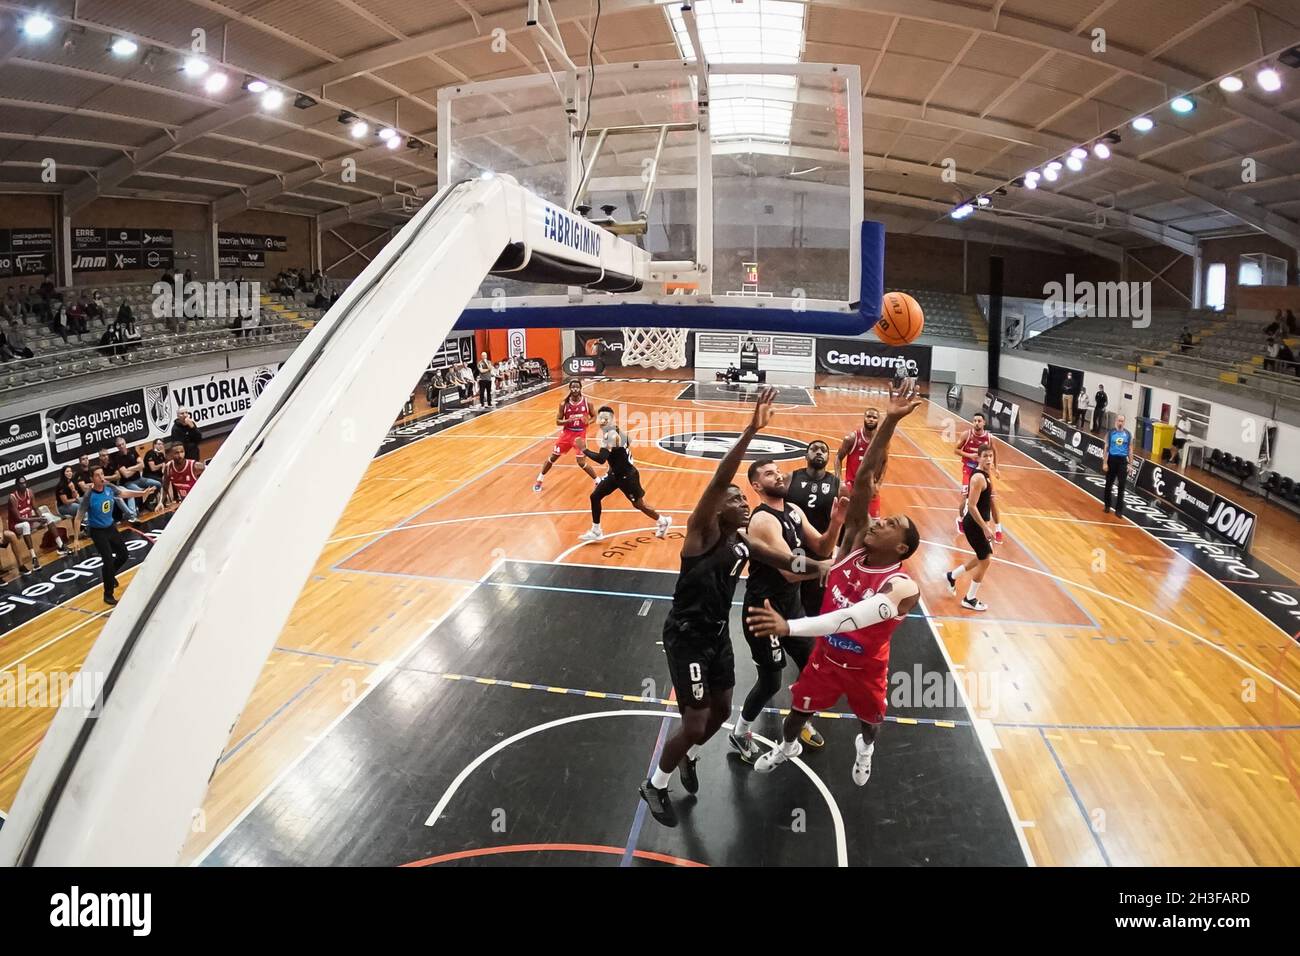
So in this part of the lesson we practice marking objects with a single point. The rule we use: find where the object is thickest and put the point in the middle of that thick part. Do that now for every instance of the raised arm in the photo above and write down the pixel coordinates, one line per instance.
(702, 525)
(864, 488)
(895, 599)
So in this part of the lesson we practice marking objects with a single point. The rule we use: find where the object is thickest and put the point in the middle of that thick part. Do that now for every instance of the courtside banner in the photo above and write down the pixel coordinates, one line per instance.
(1210, 510)
(872, 359)
(221, 396)
(83, 428)
(603, 344)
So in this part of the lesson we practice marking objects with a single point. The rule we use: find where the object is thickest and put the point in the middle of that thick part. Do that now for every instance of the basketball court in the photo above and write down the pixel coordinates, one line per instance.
(454, 678)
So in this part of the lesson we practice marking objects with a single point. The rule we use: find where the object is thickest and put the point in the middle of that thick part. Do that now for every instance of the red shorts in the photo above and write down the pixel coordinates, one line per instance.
(967, 469)
(822, 683)
(873, 509)
(564, 444)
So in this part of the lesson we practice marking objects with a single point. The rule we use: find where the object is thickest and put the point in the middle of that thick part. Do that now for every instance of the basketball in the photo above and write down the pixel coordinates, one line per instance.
(901, 319)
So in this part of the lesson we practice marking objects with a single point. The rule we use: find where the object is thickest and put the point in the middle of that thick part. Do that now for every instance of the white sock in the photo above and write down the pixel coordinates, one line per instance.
(742, 726)
(957, 571)
(974, 590)
(789, 747)
(539, 478)
(596, 528)
(694, 751)
(659, 779)
(863, 747)
(998, 527)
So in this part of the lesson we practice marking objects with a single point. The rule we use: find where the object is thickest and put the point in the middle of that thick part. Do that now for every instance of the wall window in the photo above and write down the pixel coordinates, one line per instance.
(1216, 286)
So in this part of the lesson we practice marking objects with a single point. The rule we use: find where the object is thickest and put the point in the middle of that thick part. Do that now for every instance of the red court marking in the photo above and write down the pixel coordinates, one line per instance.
(552, 847)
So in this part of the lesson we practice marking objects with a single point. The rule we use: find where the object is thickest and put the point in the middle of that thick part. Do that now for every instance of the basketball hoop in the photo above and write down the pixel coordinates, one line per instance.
(654, 348)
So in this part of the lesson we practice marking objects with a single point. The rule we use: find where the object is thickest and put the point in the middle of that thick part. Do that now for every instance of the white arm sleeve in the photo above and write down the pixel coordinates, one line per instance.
(872, 610)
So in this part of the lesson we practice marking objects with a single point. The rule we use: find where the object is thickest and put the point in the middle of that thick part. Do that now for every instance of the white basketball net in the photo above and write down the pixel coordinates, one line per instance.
(654, 348)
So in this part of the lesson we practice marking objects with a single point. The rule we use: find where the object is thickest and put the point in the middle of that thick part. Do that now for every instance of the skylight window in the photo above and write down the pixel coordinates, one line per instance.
(751, 31)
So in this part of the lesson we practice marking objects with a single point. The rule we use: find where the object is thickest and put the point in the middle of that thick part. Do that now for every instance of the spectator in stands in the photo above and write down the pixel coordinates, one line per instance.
(67, 494)
(130, 335)
(95, 310)
(155, 462)
(110, 342)
(52, 298)
(1292, 326)
(10, 308)
(1271, 351)
(13, 345)
(1285, 359)
(1099, 403)
(77, 316)
(1081, 415)
(24, 516)
(320, 302)
(186, 433)
(1274, 327)
(189, 276)
(130, 511)
(83, 474)
(1185, 340)
(131, 471)
(485, 370)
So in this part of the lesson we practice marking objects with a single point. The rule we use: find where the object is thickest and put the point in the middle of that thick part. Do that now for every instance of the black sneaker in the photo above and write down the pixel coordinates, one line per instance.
(745, 746)
(109, 599)
(660, 804)
(690, 780)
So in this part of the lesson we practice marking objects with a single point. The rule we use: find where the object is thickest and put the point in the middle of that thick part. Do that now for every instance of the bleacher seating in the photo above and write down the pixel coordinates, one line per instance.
(950, 315)
(284, 319)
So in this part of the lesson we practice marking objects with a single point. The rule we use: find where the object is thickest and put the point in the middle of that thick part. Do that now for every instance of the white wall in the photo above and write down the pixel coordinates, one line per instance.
(966, 366)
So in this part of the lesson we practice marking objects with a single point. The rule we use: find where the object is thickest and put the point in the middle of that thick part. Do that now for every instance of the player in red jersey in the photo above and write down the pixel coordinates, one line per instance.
(867, 595)
(180, 475)
(574, 416)
(852, 450)
(968, 449)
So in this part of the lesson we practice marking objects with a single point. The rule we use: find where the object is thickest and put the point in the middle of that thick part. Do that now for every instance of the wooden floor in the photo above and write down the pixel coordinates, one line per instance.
(1124, 733)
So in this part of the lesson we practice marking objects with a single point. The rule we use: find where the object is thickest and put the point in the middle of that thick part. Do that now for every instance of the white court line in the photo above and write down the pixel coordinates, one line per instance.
(980, 735)
(54, 640)
(1142, 610)
(1132, 607)
(586, 544)
(392, 664)
(1014, 514)
(837, 819)
(513, 514)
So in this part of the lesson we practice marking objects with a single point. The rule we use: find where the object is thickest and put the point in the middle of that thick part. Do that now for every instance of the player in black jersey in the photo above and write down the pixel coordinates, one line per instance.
(622, 475)
(979, 531)
(697, 641)
(814, 490)
(781, 525)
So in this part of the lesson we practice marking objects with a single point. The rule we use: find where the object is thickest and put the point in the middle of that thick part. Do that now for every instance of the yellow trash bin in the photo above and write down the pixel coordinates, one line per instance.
(1162, 437)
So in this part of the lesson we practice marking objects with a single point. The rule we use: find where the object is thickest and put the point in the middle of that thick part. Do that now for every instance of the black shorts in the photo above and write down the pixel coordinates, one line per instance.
(769, 652)
(629, 484)
(811, 594)
(698, 663)
(975, 535)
